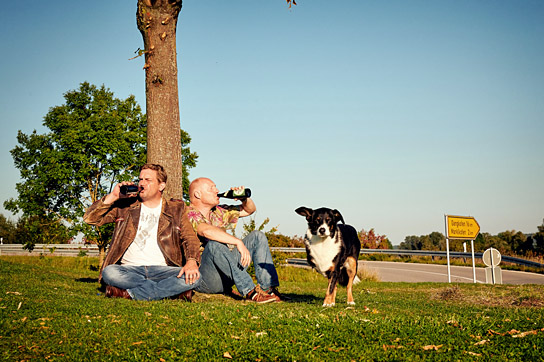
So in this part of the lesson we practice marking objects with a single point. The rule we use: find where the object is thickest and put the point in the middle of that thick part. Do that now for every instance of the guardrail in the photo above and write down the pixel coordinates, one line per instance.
(442, 254)
(50, 249)
(92, 250)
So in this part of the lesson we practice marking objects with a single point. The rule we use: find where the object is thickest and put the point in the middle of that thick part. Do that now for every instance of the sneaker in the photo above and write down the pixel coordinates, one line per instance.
(257, 295)
(114, 292)
(279, 297)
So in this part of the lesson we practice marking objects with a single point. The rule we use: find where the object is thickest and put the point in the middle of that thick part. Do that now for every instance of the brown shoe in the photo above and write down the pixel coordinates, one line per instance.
(114, 292)
(185, 296)
(257, 295)
(279, 297)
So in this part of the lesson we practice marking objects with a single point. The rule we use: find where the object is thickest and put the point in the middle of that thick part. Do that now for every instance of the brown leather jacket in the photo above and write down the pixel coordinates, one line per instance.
(175, 232)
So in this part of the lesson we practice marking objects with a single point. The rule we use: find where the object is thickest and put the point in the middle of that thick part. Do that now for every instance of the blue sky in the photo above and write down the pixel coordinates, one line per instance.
(393, 112)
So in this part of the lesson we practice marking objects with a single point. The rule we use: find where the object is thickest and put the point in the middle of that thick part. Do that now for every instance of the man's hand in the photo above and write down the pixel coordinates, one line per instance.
(190, 269)
(116, 194)
(239, 189)
(248, 206)
(245, 257)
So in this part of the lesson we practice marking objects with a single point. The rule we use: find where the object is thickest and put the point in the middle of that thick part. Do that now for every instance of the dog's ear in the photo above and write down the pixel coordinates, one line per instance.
(338, 216)
(304, 211)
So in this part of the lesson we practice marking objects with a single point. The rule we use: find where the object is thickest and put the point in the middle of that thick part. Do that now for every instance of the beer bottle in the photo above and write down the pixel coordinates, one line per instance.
(235, 194)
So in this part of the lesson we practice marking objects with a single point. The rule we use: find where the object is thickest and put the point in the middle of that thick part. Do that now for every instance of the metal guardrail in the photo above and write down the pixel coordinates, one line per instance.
(50, 249)
(442, 254)
(92, 250)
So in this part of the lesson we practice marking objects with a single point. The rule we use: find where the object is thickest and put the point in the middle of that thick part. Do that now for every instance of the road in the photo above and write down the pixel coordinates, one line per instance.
(414, 273)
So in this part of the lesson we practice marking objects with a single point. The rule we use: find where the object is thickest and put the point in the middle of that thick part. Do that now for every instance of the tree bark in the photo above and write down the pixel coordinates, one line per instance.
(157, 21)
(101, 256)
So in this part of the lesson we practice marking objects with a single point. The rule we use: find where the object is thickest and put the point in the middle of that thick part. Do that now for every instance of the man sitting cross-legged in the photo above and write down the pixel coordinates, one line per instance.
(225, 258)
(154, 252)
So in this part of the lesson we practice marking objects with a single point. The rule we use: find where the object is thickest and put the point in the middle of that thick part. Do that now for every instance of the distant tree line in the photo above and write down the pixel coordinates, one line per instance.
(39, 230)
(369, 239)
(508, 242)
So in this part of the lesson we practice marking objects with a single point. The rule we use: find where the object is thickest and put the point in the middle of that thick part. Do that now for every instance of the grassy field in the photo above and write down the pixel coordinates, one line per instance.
(51, 308)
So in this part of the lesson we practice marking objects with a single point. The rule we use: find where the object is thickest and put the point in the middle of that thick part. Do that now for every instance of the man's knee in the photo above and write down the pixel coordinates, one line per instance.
(258, 238)
(258, 234)
(109, 273)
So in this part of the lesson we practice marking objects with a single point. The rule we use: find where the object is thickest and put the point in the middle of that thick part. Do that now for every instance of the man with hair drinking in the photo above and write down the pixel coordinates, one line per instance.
(154, 252)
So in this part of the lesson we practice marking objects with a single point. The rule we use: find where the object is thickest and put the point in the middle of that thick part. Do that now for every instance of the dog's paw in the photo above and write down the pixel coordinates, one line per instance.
(328, 304)
(351, 303)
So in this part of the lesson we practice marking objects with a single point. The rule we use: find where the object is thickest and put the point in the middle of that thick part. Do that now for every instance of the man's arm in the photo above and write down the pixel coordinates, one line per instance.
(189, 240)
(99, 213)
(247, 208)
(217, 234)
(191, 250)
(102, 212)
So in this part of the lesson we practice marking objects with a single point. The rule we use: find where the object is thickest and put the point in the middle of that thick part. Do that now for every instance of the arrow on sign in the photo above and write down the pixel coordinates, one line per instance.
(462, 227)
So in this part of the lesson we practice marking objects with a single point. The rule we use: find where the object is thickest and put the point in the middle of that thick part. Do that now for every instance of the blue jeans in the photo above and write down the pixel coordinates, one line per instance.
(147, 282)
(220, 266)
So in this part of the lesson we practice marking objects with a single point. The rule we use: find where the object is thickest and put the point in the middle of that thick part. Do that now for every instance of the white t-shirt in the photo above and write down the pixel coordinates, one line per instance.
(145, 250)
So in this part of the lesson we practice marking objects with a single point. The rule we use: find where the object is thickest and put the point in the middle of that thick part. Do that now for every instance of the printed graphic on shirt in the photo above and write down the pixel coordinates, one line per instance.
(149, 219)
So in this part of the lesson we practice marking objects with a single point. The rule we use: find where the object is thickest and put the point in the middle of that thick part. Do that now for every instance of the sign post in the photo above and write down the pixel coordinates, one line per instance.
(492, 258)
(463, 228)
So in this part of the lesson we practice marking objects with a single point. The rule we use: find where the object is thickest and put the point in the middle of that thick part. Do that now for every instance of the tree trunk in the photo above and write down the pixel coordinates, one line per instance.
(101, 256)
(157, 21)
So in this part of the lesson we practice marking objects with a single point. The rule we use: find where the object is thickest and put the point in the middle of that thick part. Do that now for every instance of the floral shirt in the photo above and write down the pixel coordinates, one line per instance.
(222, 216)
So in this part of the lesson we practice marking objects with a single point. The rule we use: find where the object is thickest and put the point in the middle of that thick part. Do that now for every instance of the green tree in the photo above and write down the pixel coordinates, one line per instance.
(411, 242)
(94, 141)
(433, 241)
(485, 241)
(437, 240)
(539, 239)
(516, 242)
(41, 229)
(7, 230)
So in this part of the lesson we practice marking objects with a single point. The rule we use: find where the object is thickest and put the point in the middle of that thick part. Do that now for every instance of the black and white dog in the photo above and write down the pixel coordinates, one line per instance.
(332, 249)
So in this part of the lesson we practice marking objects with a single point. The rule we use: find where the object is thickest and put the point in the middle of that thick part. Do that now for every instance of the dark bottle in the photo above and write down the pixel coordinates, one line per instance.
(129, 189)
(235, 194)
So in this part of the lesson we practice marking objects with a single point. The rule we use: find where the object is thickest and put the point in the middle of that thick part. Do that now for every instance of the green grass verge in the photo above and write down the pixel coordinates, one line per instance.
(51, 309)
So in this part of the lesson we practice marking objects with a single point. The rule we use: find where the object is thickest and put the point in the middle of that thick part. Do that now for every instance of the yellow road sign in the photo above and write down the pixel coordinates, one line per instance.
(462, 227)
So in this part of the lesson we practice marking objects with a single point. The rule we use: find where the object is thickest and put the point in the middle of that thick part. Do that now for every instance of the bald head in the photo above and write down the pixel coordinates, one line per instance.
(203, 191)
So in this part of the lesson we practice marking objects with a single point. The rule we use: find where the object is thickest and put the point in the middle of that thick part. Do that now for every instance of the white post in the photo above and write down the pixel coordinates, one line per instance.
(492, 266)
(448, 257)
(447, 247)
(473, 261)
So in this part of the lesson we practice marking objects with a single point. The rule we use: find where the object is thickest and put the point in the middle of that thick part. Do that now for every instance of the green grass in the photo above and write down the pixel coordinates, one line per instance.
(51, 309)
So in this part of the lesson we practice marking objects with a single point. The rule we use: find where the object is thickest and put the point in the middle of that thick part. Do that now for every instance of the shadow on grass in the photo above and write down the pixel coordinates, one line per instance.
(292, 298)
(303, 298)
(87, 280)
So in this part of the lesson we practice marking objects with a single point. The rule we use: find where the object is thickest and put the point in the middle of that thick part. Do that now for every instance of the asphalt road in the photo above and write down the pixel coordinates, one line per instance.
(414, 273)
